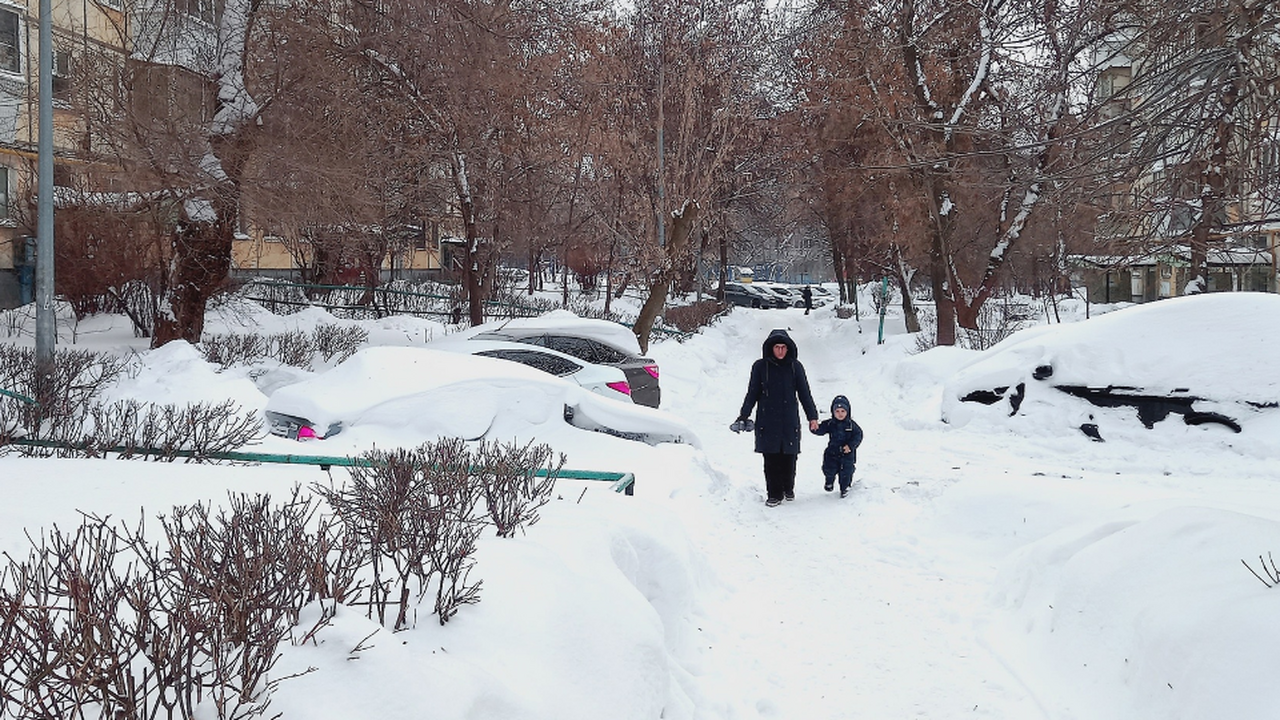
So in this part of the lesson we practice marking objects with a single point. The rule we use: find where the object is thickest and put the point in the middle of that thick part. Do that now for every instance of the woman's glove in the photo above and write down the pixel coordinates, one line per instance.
(742, 425)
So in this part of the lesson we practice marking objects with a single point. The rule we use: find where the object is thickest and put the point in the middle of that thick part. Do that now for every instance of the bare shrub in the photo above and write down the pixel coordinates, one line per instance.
(844, 312)
(411, 513)
(453, 524)
(513, 490)
(35, 681)
(291, 348)
(234, 581)
(295, 348)
(927, 338)
(996, 322)
(688, 318)
(103, 623)
(1267, 575)
(338, 342)
(139, 300)
(198, 432)
(227, 350)
(79, 376)
(882, 299)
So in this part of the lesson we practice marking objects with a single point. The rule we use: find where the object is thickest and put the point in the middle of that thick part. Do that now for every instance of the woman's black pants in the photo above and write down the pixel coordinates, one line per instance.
(779, 474)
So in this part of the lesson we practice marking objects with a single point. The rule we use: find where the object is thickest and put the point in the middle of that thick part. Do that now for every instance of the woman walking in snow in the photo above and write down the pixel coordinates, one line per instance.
(777, 381)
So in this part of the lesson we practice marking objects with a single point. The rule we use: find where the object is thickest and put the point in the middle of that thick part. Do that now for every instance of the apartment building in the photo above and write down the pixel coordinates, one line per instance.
(1206, 149)
(80, 27)
(168, 49)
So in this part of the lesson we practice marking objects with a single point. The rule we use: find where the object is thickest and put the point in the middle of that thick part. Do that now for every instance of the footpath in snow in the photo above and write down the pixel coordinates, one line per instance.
(852, 608)
(916, 597)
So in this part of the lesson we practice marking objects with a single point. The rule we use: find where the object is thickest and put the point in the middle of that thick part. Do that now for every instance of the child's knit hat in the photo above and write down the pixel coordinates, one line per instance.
(841, 401)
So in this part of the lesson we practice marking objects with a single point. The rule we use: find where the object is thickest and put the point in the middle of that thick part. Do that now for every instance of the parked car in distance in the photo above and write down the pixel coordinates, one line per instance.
(641, 372)
(737, 294)
(605, 380)
(791, 296)
(751, 295)
(407, 395)
(820, 296)
(780, 300)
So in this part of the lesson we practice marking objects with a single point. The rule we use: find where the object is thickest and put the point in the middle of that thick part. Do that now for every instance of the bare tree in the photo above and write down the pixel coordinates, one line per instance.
(1201, 112)
(973, 126)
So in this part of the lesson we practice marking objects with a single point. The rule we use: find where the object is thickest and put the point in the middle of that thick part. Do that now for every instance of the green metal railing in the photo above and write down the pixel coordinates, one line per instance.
(619, 482)
(18, 396)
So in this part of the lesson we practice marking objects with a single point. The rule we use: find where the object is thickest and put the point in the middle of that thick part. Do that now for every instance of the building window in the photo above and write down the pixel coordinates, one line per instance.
(10, 42)
(62, 69)
(4, 192)
(202, 10)
(63, 175)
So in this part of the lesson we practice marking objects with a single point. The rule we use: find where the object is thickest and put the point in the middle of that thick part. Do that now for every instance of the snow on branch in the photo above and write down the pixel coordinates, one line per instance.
(236, 106)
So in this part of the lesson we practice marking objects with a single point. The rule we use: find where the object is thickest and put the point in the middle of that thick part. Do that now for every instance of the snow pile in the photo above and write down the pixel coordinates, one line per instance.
(1213, 351)
(584, 618)
(1147, 613)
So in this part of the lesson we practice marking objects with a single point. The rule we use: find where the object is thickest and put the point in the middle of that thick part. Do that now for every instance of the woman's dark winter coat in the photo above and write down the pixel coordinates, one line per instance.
(773, 390)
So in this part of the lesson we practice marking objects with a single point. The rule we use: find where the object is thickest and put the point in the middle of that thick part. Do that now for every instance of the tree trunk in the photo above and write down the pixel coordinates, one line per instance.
(470, 274)
(201, 265)
(682, 225)
(535, 260)
(724, 265)
(945, 309)
(903, 279)
(837, 267)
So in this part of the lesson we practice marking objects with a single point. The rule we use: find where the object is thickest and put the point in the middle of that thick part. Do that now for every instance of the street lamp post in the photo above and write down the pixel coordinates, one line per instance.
(45, 330)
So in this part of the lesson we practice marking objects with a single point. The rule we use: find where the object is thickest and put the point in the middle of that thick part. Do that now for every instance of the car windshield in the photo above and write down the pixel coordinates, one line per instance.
(542, 361)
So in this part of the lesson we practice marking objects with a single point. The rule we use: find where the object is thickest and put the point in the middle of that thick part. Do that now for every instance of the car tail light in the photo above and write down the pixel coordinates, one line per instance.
(621, 387)
(306, 432)
(653, 370)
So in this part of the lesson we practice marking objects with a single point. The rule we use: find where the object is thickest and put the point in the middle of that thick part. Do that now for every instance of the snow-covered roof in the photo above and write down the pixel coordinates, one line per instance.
(1216, 256)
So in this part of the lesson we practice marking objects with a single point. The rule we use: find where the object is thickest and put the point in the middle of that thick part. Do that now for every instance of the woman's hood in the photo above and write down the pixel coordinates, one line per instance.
(775, 337)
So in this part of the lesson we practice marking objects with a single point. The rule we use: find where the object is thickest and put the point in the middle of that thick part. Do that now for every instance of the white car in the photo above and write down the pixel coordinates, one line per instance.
(590, 340)
(414, 394)
(605, 380)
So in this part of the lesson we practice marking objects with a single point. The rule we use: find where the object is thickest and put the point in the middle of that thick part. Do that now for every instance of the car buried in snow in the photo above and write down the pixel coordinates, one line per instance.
(589, 341)
(426, 393)
(1204, 358)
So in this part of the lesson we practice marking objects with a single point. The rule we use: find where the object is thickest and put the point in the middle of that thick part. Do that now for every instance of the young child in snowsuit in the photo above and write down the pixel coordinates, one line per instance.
(843, 438)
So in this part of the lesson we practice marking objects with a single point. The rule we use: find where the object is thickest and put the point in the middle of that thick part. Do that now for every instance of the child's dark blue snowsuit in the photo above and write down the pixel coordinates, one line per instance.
(843, 439)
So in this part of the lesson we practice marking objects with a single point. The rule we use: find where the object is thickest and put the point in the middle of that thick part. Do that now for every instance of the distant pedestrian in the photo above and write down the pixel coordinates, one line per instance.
(843, 438)
(807, 293)
(778, 388)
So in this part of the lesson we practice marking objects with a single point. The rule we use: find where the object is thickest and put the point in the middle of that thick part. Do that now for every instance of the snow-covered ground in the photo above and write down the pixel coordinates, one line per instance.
(1006, 568)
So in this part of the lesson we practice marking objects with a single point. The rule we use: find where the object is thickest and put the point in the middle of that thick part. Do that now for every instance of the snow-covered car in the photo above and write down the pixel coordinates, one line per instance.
(790, 295)
(599, 342)
(606, 380)
(1209, 358)
(422, 393)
